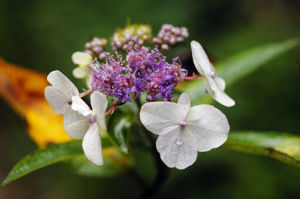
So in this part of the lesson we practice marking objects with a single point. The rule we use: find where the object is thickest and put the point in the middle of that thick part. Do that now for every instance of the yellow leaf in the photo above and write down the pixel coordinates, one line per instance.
(23, 89)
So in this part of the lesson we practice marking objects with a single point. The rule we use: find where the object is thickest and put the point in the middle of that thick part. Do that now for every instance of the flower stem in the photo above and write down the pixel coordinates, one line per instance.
(110, 110)
(162, 171)
(85, 93)
(194, 77)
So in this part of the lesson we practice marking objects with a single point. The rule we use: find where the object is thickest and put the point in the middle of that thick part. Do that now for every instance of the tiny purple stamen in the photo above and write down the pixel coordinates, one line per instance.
(182, 123)
(213, 74)
(92, 120)
(69, 101)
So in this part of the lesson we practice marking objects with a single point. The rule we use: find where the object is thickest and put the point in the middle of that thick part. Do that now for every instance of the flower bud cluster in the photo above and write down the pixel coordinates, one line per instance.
(142, 71)
(96, 47)
(131, 37)
(170, 35)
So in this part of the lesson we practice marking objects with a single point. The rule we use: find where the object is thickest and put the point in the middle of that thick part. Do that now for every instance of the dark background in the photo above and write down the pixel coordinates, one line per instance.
(42, 35)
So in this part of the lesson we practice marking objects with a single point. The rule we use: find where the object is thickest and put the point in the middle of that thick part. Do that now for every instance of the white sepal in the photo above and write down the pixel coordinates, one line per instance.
(215, 84)
(71, 116)
(200, 58)
(61, 82)
(208, 126)
(78, 129)
(156, 116)
(91, 145)
(219, 95)
(183, 133)
(99, 104)
(80, 106)
(79, 72)
(176, 149)
(57, 99)
(81, 58)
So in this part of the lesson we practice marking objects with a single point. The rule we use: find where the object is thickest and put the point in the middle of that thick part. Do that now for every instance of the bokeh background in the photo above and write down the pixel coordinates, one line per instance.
(42, 35)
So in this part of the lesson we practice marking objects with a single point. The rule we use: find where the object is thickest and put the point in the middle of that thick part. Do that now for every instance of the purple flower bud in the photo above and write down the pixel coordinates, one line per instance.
(169, 36)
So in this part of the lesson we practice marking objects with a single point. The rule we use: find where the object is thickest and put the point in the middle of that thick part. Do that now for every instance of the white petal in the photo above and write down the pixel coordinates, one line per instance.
(81, 58)
(78, 128)
(215, 85)
(185, 102)
(177, 149)
(88, 82)
(79, 72)
(99, 104)
(156, 116)
(80, 106)
(217, 93)
(220, 82)
(71, 116)
(57, 99)
(200, 59)
(61, 82)
(208, 126)
(92, 145)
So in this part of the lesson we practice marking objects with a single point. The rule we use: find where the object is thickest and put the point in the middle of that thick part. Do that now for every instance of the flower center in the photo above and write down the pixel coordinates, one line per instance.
(182, 123)
(213, 74)
(69, 101)
(92, 119)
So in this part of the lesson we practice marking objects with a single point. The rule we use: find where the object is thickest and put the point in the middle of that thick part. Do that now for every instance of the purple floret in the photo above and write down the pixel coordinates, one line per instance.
(142, 71)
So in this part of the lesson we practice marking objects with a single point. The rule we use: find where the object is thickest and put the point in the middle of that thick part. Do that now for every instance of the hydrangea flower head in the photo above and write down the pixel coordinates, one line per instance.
(182, 130)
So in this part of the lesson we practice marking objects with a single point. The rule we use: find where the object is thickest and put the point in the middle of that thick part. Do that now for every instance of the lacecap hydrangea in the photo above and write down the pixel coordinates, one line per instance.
(133, 71)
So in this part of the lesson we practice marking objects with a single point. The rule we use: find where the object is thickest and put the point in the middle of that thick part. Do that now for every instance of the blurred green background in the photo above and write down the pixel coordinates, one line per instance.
(42, 35)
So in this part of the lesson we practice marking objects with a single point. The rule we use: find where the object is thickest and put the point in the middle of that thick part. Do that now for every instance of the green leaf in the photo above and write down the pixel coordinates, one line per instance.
(70, 152)
(239, 66)
(82, 166)
(118, 129)
(281, 146)
(42, 158)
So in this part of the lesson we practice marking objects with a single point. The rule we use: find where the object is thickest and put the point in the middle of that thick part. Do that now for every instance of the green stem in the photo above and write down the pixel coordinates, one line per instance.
(162, 171)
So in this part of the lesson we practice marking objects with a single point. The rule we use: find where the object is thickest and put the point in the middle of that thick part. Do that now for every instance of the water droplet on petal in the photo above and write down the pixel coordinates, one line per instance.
(178, 142)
